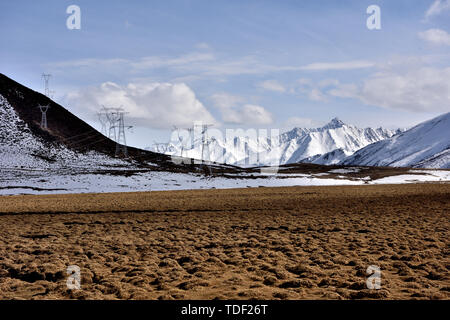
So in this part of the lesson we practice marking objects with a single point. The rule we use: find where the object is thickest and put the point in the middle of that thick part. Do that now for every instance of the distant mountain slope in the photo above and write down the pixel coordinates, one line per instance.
(426, 145)
(329, 158)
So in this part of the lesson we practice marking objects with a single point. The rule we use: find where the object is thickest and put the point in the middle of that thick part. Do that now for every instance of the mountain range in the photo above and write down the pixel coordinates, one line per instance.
(326, 145)
(426, 145)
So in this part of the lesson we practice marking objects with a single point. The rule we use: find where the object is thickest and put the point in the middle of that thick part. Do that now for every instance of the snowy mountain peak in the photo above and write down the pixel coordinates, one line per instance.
(334, 124)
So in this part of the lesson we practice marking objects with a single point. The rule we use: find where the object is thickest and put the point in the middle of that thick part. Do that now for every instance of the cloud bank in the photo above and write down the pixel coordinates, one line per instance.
(153, 105)
(436, 36)
(437, 8)
(424, 89)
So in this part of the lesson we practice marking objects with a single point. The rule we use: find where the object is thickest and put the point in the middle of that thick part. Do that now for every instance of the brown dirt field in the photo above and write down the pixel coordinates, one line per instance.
(265, 243)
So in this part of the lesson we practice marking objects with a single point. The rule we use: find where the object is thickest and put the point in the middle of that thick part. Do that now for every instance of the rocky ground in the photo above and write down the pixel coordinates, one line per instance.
(264, 243)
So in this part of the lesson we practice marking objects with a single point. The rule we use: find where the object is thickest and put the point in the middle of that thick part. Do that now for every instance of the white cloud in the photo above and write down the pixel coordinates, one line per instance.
(424, 89)
(435, 36)
(234, 111)
(202, 64)
(162, 62)
(437, 8)
(203, 46)
(152, 104)
(254, 114)
(304, 82)
(226, 101)
(88, 62)
(328, 83)
(316, 95)
(303, 86)
(324, 66)
(272, 85)
(309, 89)
(344, 90)
(136, 65)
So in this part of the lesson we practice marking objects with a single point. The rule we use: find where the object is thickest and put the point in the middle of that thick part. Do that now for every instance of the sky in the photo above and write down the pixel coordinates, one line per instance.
(234, 63)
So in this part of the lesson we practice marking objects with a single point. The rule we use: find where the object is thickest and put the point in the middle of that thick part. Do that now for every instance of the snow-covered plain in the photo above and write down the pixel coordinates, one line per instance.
(419, 176)
(48, 182)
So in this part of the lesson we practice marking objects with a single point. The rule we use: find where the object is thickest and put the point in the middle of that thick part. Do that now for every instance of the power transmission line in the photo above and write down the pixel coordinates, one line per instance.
(114, 117)
(191, 138)
(44, 109)
(121, 143)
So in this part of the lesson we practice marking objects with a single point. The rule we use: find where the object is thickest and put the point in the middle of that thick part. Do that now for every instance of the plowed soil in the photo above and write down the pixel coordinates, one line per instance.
(264, 243)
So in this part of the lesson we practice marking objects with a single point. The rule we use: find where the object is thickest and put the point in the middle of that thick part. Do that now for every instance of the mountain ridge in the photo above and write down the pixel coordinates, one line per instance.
(293, 146)
(425, 145)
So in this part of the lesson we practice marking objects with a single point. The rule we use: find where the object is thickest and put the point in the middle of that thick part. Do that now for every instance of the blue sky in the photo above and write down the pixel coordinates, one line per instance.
(258, 64)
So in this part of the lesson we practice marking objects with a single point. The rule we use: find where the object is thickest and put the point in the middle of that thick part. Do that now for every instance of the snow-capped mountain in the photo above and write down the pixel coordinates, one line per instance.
(302, 144)
(329, 144)
(426, 145)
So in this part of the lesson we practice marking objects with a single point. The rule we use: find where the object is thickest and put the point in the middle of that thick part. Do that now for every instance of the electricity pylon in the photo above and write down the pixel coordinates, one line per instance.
(246, 153)
(116, 128)
(46, 78)
(113, 116)
(205, 140)
(107, 120)
(191, 138)
(103, 121)
(175, 128)
(121, 145)
(44, 116)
